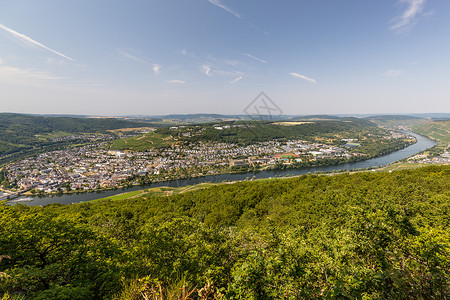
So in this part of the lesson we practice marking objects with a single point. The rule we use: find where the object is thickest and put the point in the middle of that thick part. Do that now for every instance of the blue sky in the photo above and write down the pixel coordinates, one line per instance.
(111, 57)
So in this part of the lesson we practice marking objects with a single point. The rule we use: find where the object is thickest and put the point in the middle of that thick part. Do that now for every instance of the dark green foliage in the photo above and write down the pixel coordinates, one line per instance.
(360, 236)
(3, 178)
(52, 257)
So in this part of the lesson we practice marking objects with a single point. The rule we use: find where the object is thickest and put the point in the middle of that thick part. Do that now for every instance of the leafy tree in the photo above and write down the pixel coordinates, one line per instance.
(52, 257)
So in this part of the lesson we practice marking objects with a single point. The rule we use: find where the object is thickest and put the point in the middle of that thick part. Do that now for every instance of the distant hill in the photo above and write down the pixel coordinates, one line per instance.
(35, 124)
(22, 132)
(316, 117)
(203, 118)
(371, 138)
(434, 116)
(59, 115)
(395, 120)
(393, 117)
(438, 130)
(249, 132)
(193, 116)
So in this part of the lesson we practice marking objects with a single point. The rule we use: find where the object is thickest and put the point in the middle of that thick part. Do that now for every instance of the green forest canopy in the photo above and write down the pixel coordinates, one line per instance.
(352, 236)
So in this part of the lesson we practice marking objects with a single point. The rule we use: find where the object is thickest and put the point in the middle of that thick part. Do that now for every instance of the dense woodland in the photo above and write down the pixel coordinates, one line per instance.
(367, 235)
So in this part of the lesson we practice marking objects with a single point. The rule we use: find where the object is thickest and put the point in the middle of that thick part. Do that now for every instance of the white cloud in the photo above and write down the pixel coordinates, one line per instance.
(156, 68)
(237, 79)
(409, 16)
(303, 77)
(1, 61)
(206, 69)
(30, 40)
(219, 3)
(176, 81)
(255, 58)
(393, 73)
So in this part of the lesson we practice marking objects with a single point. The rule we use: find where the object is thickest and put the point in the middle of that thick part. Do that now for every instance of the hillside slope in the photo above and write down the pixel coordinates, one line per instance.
(21, 132)
(359, 236)
(438, 130)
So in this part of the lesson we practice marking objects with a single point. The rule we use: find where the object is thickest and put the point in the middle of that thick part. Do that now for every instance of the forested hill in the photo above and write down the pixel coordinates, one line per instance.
(263, 131)
(352, 236)
(395, 120)
(23, 124)
(438, 130)
(20, 132)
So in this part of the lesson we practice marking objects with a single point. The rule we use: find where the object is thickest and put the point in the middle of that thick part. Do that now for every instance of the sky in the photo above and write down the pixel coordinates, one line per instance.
(155, 57)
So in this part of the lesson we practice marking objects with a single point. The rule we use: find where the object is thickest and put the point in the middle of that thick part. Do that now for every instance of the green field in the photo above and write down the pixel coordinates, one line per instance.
(158, 191)
(143, 142)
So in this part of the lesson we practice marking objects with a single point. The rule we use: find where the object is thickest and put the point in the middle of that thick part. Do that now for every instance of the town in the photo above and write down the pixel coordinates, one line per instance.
(94, 166)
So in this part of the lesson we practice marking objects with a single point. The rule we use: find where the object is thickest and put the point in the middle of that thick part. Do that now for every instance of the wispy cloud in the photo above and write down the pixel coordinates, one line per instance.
(409, 17)
(237, 79)
(219, 3)
(176, 81)
(255, 58)
(8, 73)
(139, 59)
(232, 62)
(303, 77)
(185, 52)
(393, 73)
(156, 68)
(228, 73)
(133, 57)
(30, 40)
(206, 69)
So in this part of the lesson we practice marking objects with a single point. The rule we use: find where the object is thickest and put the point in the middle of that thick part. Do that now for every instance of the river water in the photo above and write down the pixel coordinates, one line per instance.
(423, 143)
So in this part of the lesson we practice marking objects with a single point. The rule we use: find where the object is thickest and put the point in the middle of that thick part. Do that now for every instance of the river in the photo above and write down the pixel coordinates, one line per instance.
(423, 143)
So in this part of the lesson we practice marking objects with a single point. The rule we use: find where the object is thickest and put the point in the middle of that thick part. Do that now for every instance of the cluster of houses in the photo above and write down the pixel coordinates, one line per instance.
(94, 166)
(444, 158)
(89, 137)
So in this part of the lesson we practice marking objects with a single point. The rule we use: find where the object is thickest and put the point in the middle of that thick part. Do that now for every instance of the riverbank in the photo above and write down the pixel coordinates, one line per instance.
(169, 191)
(422, 144)
(247, 167)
